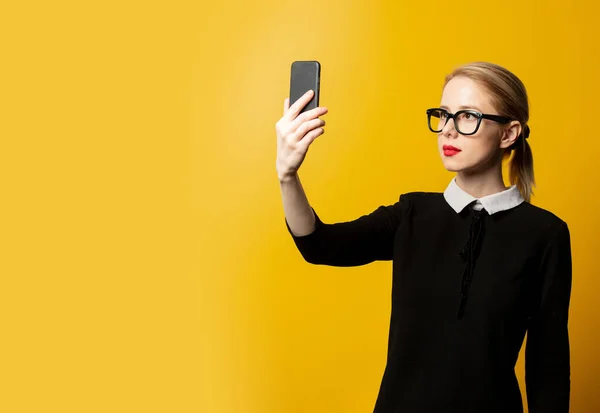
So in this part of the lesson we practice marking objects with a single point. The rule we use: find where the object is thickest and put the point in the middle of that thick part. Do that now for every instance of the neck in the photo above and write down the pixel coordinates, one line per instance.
(481, 183)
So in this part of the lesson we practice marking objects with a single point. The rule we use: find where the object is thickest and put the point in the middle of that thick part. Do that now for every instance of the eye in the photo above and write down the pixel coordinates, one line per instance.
(469, 117)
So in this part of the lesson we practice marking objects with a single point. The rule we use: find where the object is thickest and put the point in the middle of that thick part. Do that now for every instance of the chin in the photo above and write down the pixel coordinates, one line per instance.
(452, 165)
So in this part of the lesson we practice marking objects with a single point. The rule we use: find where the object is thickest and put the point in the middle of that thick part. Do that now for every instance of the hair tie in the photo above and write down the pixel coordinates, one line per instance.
(526, 131)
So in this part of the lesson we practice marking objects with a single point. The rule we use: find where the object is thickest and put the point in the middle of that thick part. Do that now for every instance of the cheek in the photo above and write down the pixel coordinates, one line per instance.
(481, 151)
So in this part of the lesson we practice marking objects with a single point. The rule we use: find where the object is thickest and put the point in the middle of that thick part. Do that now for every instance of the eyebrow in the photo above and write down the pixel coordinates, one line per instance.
(462, 107)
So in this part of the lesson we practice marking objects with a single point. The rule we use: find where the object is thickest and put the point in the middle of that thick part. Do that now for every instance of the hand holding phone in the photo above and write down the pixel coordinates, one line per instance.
(298, 127)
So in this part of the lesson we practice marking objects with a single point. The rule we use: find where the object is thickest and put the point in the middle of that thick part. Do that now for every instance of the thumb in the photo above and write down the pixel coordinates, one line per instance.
(286, 105)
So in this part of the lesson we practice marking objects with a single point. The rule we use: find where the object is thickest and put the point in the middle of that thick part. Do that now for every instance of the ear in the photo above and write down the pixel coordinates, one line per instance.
(510, 133)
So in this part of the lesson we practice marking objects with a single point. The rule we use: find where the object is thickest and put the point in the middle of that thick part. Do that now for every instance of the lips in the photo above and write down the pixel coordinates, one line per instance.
(450, 150)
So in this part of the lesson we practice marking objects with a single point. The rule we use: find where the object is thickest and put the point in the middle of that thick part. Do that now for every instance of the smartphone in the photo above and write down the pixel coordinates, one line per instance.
(305, 75)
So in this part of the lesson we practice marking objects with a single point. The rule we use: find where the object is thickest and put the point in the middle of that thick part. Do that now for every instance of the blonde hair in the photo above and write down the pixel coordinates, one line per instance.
(509, 97)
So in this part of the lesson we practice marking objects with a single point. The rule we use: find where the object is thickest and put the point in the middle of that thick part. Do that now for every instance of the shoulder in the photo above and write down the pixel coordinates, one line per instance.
(538, 219)
(554, 238)
(541, 215)
(422, 198)
(423, 202)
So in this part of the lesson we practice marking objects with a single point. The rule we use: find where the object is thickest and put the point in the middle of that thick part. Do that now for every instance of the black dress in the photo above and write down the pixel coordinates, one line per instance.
(466, 287)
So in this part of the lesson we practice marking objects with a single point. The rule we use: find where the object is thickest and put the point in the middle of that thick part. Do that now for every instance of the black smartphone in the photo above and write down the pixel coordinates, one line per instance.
(305, 75)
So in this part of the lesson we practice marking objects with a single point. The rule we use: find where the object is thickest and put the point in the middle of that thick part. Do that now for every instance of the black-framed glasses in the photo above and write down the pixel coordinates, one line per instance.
(466, 122)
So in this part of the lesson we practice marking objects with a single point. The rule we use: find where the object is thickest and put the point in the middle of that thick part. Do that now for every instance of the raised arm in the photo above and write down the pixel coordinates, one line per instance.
(547, 354)
(344, 244)
(357, 242)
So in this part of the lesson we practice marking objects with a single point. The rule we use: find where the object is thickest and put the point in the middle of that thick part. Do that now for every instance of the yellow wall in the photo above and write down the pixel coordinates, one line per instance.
(145, 264)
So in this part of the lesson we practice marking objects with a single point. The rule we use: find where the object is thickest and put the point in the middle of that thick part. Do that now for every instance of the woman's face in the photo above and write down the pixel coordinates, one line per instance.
(469, 153)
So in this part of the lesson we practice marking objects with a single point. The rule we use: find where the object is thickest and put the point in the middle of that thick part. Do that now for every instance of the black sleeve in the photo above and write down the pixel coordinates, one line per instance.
(352, 243)
(547, 355)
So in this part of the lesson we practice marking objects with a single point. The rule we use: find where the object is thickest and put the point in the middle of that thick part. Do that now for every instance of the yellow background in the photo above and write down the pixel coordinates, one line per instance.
(145, 264)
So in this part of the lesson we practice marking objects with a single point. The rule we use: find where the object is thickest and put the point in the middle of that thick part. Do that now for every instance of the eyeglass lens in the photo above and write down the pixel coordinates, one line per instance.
(464, 123)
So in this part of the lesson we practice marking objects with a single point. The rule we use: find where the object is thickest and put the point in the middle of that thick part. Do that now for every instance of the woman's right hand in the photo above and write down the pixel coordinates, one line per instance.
(295, 134)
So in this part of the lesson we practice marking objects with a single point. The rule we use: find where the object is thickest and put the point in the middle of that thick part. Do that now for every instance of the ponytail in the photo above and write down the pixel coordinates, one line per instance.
(521, 166)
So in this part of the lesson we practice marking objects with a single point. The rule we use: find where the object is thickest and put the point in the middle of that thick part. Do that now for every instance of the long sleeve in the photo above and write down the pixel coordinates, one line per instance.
(547, 354)
(352, 243)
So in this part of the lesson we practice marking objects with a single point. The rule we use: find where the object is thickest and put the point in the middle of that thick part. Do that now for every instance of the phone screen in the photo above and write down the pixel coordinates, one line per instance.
(305, 75)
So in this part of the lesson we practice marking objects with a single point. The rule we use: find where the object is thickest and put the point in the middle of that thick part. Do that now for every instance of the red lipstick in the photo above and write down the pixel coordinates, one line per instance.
(450, 150)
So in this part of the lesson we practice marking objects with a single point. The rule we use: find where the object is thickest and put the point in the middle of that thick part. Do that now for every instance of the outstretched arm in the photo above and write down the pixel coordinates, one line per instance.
(360, 241)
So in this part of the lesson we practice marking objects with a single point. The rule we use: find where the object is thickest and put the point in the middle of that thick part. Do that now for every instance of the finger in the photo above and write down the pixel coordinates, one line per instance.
(307, 127)
(286, 105)
(299, 104)
(308, 115)
(310, 138)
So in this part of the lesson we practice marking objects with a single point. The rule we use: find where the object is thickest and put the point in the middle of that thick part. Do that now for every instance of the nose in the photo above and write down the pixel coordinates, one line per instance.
(449, 130)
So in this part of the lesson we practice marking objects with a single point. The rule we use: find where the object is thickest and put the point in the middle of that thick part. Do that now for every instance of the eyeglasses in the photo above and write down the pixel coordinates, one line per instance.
(466, 122)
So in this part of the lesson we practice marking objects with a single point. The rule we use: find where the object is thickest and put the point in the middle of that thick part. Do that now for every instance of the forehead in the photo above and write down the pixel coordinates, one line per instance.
(464, 93)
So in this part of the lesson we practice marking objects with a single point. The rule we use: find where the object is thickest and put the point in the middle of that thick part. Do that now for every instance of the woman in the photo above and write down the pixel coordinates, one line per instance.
(474, 267)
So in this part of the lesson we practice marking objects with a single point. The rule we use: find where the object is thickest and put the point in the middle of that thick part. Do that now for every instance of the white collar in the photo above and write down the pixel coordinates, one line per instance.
(458, 199)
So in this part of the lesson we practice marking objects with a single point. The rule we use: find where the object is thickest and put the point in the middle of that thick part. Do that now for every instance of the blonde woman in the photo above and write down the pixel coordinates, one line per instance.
(475, 267)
